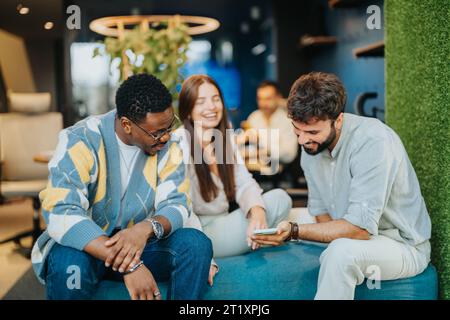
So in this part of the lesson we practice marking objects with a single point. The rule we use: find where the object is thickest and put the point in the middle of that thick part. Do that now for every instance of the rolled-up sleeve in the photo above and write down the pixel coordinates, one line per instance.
(373, 170)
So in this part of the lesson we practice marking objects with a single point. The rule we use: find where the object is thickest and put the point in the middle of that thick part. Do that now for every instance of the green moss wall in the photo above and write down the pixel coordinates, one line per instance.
(418, 107)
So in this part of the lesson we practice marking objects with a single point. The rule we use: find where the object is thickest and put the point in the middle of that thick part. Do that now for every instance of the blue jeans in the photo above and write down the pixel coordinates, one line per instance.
(183, 258)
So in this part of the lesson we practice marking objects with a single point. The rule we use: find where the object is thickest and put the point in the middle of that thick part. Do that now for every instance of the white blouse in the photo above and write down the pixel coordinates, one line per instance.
(248, 191)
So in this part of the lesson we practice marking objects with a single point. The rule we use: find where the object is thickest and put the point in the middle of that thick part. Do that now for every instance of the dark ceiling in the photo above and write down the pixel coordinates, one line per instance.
(231, 13)
(31, 25)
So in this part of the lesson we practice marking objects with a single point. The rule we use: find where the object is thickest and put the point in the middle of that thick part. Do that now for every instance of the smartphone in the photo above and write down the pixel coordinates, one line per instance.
(265, 231)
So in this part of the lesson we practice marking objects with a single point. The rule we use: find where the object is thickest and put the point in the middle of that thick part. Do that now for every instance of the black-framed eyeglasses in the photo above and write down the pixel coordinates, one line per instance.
(160, 133)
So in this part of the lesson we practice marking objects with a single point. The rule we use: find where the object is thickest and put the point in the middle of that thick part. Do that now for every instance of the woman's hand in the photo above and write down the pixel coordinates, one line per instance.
(213, 269)
(257, 220)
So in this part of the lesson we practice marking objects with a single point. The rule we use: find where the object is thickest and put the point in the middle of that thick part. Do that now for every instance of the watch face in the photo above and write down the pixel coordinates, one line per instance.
(158, 229)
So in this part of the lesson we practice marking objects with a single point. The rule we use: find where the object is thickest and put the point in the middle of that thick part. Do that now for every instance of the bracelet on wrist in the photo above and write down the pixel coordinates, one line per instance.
(134, 268)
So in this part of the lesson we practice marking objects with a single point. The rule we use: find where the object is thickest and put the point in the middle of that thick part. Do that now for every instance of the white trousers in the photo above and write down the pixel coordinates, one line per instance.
(228, 232)
(347, 262)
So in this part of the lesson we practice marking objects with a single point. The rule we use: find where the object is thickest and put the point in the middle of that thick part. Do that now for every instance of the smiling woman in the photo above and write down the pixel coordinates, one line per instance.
(228, 201)
(201, 106)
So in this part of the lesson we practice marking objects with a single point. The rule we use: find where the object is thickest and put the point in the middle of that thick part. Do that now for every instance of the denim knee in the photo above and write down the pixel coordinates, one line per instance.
(71, 273)
(198, 245)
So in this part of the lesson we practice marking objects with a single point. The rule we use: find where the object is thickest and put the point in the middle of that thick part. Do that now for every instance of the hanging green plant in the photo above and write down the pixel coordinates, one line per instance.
(159, 50)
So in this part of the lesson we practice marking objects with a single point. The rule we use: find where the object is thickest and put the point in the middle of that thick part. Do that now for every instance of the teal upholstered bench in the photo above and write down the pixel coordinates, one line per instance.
(287, 272)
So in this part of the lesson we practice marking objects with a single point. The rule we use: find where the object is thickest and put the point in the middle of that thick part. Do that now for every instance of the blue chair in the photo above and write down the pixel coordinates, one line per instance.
(288, 272)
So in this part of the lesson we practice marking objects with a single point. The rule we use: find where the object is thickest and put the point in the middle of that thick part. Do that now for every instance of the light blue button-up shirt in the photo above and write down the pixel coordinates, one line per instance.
(369, 181)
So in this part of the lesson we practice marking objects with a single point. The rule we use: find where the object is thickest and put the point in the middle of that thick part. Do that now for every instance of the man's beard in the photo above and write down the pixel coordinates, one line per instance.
(322, 146)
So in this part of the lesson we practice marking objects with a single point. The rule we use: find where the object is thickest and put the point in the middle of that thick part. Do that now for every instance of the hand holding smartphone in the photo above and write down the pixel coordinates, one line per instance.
(257, 232)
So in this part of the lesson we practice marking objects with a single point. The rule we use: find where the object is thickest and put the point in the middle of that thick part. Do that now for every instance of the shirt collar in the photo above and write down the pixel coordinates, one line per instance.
(338, 146)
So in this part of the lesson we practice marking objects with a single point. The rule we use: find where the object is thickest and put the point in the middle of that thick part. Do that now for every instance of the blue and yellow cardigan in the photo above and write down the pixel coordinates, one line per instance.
(82, 199)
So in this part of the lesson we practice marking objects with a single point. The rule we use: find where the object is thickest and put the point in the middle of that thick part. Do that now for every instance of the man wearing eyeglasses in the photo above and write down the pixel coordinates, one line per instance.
(116, 202)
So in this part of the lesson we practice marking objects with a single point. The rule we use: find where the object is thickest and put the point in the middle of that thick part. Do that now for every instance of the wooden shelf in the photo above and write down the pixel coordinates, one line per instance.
(316, 41)
(375, 49)
(343, 3)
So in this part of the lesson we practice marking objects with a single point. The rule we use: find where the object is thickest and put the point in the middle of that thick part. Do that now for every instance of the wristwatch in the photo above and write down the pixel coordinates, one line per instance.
(158, 229)
(293, 235)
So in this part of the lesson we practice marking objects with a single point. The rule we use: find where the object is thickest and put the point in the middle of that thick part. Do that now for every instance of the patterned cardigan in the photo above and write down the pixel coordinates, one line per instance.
(82, 199)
